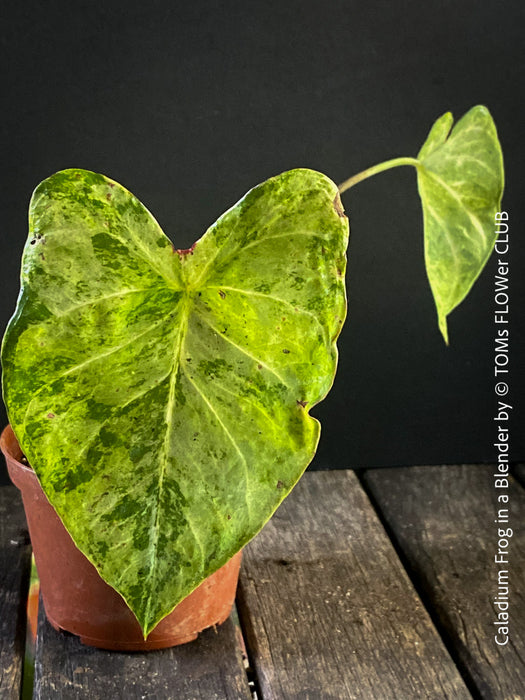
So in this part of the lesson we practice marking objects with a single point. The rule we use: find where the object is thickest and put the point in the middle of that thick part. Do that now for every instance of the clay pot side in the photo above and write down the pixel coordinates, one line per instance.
(77, 600)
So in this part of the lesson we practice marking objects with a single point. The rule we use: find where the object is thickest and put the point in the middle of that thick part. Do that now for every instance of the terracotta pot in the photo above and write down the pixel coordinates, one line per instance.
(77, 600)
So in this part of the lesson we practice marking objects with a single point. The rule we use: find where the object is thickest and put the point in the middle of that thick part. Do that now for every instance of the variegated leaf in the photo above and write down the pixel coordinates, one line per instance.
(163, 396)
(460, 180)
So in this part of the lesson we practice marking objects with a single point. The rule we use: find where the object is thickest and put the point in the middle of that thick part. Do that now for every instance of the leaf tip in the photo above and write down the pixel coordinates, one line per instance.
(437, 135)
(147, 627)
(480, 109)
(442, 322)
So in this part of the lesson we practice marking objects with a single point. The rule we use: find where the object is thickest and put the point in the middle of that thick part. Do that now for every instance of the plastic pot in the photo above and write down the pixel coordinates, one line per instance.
(77, 600)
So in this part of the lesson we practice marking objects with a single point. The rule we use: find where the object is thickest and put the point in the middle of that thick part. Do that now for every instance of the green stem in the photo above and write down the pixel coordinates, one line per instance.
(375, 169)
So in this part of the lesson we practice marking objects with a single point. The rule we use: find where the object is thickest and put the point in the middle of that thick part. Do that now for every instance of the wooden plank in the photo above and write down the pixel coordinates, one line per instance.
(327, 609)
(209, 668)
(15, 566)
(444, 521)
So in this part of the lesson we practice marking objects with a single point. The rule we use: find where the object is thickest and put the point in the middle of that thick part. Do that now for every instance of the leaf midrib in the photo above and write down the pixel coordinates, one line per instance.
(177, 346)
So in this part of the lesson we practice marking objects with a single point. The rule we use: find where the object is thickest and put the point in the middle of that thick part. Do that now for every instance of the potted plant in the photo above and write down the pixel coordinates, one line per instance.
(162, 396)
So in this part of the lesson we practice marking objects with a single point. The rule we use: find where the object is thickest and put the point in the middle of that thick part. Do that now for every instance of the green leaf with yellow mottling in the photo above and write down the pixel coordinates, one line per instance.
(460, 180)
(163, 396)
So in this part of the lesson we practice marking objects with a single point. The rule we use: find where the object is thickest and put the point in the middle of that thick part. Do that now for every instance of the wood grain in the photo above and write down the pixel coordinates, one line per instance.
(329, 611)
(443, 519)
(210, 668)
(15, 565)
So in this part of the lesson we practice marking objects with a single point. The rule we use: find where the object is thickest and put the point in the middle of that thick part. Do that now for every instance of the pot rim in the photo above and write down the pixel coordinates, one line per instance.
(6, 438)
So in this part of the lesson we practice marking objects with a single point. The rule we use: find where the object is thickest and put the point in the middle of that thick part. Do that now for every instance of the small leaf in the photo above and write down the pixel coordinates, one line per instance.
(162, 396)
(460, 182)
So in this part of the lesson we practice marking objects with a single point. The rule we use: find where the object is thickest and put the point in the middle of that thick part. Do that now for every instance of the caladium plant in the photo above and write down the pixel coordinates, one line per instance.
(162, 396)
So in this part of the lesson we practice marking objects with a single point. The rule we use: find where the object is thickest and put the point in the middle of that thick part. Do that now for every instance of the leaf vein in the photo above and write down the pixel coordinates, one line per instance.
(97, 300)
(250, 292)
(225, 429)
(243, 350)
(263, 239)
(75, 368)
(475, 221)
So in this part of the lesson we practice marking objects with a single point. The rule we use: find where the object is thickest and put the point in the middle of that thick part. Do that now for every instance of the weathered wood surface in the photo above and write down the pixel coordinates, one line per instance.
(210, 668)
(443, 520)
(15, 565)
(328, 611)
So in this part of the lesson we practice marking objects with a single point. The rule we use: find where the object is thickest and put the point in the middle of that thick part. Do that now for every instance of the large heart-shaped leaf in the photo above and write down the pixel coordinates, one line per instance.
(162, 396)
(460, 179)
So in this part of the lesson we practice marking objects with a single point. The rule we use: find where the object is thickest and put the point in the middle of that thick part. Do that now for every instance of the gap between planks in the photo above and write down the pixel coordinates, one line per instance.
(327, 608)
(442, 519)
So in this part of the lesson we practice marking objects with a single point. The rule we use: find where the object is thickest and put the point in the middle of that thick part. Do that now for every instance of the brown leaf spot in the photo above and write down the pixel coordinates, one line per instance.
(222, 294)
(182, 252)
(302, 403)
(286, 351)
(50, 415)
(338, 206)
(280, 484)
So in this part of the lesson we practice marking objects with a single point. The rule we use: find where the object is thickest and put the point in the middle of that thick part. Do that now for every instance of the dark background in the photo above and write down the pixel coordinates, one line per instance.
(190, 106)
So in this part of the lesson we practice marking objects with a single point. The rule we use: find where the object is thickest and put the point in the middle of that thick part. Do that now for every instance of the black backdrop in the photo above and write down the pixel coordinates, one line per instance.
(191, 105)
